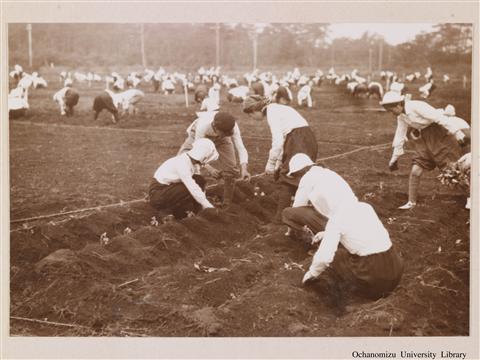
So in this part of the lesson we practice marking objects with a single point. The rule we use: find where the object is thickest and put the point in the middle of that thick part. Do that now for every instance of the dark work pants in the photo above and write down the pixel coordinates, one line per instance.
(174, 198)
(104, 101)
(299, 140)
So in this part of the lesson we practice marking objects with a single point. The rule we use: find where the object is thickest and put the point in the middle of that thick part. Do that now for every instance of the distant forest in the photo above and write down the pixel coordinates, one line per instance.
(188, 46)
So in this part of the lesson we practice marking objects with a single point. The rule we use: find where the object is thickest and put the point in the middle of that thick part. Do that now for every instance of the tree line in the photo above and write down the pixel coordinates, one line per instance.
(188, 46)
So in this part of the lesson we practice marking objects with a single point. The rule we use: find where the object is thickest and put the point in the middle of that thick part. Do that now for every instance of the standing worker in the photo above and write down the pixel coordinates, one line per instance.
(435, 138)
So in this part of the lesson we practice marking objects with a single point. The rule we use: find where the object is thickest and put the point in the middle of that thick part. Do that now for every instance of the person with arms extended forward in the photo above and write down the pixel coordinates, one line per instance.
(291, 135)
(222, 129)
(177, 188)
(366, 261)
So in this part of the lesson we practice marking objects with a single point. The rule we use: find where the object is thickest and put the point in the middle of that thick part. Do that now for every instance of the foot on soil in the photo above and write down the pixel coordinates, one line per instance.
(409, 205)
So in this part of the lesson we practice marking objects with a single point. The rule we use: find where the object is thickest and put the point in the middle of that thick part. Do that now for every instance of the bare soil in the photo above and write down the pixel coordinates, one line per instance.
(215, 275)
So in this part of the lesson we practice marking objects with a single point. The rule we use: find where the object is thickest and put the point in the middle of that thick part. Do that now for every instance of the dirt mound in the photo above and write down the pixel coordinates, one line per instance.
(117, 272)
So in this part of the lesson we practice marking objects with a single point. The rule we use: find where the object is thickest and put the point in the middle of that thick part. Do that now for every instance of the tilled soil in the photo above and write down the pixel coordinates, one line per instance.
(218, 275)
(118, 271)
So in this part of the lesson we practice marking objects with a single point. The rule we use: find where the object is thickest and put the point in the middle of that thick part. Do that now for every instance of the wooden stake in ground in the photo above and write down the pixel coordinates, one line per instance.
(186, 93)
(30, 52)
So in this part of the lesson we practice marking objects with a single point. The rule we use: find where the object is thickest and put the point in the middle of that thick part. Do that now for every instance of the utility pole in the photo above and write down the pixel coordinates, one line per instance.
(333, 55)
(370, 53)
(255, 45)
(142, 45)
(30, 53)
(217, 45)
(380, 55)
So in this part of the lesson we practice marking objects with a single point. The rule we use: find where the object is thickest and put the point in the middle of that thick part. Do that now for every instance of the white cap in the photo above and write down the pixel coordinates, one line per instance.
(396, 86)
(298, 162)
(449, 110)
(210, 104)
(392, 97)
(203, 150)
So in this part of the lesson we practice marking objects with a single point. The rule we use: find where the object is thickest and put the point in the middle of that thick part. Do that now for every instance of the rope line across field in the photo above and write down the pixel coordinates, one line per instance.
(121, 203)
(153, 131)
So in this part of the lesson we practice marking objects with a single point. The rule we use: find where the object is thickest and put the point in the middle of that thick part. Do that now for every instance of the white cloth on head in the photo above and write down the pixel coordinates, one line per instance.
(210, 104)
(282, 119)
(358, 228)
(397, 87)
(239, 92)
(325, 189)
(203, 150)
(181, 169)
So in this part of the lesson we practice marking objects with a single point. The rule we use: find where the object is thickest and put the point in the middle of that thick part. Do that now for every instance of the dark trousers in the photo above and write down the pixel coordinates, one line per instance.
(156, 85)
(298, 217)
(71, 100)
(174, 198)
(434, 147)
(299, 140)
(15, 114)
(104, 101)
(372, 276)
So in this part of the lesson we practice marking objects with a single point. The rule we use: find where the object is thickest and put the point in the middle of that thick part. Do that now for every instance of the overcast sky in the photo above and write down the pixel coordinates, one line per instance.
(393, 33)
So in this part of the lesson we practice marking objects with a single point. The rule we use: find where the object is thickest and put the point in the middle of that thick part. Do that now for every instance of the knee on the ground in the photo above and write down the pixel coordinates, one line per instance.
(290, 215)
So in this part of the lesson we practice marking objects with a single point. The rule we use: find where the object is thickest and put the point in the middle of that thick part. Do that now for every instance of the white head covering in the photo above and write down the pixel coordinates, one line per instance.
(392, 97)
(203, 150)
(396, 86)
(298, 162)
(210, 104)
(449, 110)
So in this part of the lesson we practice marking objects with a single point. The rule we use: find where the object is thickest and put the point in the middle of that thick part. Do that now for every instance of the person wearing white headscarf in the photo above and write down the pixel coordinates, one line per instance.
(223, 130)
(176, 187)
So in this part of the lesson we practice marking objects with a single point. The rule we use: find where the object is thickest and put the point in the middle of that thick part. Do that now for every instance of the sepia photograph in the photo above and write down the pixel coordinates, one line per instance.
(240, 180)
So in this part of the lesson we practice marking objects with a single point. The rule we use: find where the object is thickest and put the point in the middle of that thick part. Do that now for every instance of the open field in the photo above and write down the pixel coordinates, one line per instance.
(215, 276)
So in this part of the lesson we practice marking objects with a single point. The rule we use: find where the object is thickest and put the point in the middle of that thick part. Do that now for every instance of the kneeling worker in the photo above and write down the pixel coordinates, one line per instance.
(367, 261)
(177, 188)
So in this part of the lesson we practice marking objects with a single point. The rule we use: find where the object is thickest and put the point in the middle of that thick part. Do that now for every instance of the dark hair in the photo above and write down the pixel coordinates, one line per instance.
(281, 93)
(255, 103)
(224, 122)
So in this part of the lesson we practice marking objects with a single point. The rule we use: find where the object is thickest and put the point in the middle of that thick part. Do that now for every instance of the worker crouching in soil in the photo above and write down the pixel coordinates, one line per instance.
(291, 135)
(366, 261)
(222, 129)
(177, 188)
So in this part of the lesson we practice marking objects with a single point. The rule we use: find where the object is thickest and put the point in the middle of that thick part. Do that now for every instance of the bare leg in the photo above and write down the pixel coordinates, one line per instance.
(413, 183)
